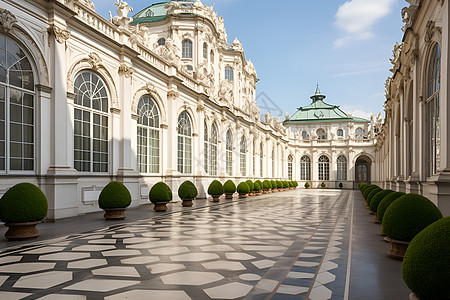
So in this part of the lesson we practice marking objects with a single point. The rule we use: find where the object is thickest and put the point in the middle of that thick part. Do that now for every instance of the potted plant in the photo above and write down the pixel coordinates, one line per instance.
(295, 184)
(187, 193)
(405, 218)
(323, 185)
(384, 204)
(243, 189)
(307, 185)
(370, 195)
(251, 185)
(229, 188)
(426, 265)
(266, 186)
(22, 207)
(279, 185)
(257, 188)
(160, 195)
(341, 185)
(260, 186)
(274, 186)
(114, 200)
(375, 202)
(215, 189)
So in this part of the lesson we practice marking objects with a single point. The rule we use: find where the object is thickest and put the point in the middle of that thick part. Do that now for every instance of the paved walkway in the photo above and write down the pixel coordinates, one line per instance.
(290, 245)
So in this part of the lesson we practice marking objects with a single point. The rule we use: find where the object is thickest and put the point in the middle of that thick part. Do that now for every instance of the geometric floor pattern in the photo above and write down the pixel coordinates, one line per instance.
(290, 245)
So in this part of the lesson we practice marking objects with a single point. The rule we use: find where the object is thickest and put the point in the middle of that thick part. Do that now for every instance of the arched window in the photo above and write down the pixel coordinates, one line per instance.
(161, 42)
(273, 163)
(148, 136)
(213, 145)
(16, 108)
(211, 55)
(189, 68)
(321, 134)
(91, 143)
(243, 156)
(305, 168)
(290, 167)
(184, 129)
(261, 160)
(359, 133)
(229, 73)
(186, 49)
(432, 116)
(229, 153)
(206, 148)
(254, 158)
(304, 134)
(341, 168)
(340, 133)
(205, 51)
(324, 168)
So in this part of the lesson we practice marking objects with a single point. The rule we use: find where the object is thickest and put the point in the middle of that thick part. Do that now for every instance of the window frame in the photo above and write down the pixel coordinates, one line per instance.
(342, 168)
(229, 153)
(290, 167)
(243, 156)
(149, 128)
(184, 138)
(305, 168)
(229, 73)
(187, 49)
(324, 168)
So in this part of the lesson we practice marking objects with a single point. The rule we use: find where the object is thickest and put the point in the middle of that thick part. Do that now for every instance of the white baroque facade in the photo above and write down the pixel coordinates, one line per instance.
(162, 97)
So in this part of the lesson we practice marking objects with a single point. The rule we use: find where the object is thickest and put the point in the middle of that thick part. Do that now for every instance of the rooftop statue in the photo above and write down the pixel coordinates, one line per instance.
(123, 9)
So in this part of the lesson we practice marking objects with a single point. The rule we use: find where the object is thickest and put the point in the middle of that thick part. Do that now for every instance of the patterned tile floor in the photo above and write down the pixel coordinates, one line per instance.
(290, 245)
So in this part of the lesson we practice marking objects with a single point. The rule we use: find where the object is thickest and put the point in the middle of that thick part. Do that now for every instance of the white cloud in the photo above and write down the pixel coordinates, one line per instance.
(356, 18)
(355, 112)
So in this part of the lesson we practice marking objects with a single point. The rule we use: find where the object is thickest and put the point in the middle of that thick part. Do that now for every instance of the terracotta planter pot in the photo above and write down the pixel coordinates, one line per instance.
(187, 202)
(160, 206)
(215, 198)
(114, 214)
(372, 213)
(229, 196)
(243, 196)
(20, 231)
(397, 249)
(376, 219)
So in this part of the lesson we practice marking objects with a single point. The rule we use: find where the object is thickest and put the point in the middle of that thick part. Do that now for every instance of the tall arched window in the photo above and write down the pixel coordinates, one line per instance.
(324, 168)
(186, 50)
(148, 136)
(359, 133)
(184, 129)
(206, 148)
(321, 134)
(290, 167)
(432, 116)
(261, 160)
(243, 156)
(229, 73)
(205, 51)
(304, 134)
(305, 168)
(340, 133)
(254, 158)
(213, 146)
(342, 168)
(229, 153)
(16, 108)
(91, 146)
(273, 163)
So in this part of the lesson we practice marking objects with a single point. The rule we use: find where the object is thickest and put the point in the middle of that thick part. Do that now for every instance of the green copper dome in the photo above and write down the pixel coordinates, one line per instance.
(320, 111)
(154, 13)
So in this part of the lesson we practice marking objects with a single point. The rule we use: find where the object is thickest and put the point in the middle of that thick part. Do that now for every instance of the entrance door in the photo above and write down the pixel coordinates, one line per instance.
(362, 169)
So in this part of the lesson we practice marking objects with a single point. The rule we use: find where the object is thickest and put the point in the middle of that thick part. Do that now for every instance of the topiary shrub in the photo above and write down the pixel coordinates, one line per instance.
(376, 199)
(260, 183)
(243, 188)
(251, 185)
(23, 202)
(229, 187)
(426, 265)
(257, 187)
(160, 192)
(187, 190)
(215, 188)
(267, 185)
(323, 184)
(341, 185)
(371, 194)
(409, 215)
(361, 185)
(368, 190)
(384, 204)
(279, 184)
(307, 185)
(274, 184)
(114, 195)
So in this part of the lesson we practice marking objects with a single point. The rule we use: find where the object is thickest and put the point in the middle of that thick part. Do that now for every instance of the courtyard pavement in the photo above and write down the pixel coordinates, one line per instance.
(301, 244)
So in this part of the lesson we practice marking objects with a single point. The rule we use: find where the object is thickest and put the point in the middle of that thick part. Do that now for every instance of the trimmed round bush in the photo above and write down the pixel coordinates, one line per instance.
(279, 184)
(160, 192)
(274, 184)
(229, 187)
(409, 215)
(260, 183)
(215, 188)
(372, 193)
(251, 185)
(243, 188)
(257, 187)
(361, 185)
(341, 185)
(295, 183)
(426, 265)
(368, 190)
(376, 199)
(114, 195)
(23, 202)
(384, 204)
(307, 185)
(323, 184)
(267, 185)
(187, 190)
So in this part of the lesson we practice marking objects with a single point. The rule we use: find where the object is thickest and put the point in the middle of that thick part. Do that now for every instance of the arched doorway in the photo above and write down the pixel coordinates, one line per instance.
(362, 169)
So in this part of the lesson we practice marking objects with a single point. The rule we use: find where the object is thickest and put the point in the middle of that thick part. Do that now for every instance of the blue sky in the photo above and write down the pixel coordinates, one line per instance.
(344, 46)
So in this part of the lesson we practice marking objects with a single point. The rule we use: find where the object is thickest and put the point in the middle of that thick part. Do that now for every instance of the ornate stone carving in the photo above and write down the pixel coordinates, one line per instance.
(123, 9)
(61, 35)
(432, 28)
(126, 70)
(396, 53)
(237, 45)
(94, 60)
(173, 94)
(226, 92)
(169, 51)
(7, 19)
(87, 3)
(409, 13)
